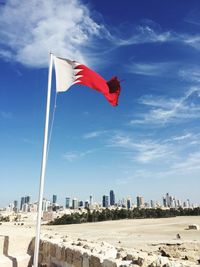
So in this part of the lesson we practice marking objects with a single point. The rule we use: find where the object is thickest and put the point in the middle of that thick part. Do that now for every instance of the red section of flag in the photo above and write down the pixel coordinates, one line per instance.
(110, 89)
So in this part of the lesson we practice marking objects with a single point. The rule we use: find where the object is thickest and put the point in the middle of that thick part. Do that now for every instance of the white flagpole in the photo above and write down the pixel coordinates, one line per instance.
(43, 166)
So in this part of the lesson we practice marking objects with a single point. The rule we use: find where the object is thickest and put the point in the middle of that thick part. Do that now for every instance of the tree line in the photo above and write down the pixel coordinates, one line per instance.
(118, 214)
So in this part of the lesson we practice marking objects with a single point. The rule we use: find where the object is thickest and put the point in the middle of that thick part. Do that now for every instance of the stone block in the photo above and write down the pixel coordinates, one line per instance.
(69, 255)
(77, 259)
(52, 250)
(85, 262)
(109, 263)
(94, 261)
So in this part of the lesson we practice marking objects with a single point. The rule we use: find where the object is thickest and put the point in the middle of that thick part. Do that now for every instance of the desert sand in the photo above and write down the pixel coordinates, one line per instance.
(140, 233)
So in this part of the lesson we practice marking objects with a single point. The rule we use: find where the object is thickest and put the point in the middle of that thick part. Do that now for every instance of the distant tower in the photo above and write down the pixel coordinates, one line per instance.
(91, 201)
(22, 202)
(27, 199)
(105, 201)
(128, 203)
(80, 204)
(15, 208)
(54, 199)
(152, 204)
(168, 200)
(74, 203)
(67, 202)
(112, 198)
(140, 202)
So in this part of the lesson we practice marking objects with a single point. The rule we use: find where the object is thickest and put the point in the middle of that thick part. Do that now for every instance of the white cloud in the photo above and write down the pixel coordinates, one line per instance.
(144, 34)
(31, 29)
(93, 134)
(151, 69)
(167, 110)
(142, 151)
(191, 73)
(75, 155)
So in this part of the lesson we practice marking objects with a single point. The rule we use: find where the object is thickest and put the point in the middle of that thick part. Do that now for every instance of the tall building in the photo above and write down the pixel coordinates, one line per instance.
(22, 202)
(91, 200)
(15, 208)
(140, 202)
(54, 199)
(128, 203)
(105, 201)
(152, 204)
(27, 199)
(80, 204)
(67, 202)
(112, 198)
(74, 203)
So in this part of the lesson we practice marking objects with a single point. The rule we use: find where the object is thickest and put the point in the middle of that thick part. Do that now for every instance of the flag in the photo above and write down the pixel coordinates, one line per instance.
(70, 72)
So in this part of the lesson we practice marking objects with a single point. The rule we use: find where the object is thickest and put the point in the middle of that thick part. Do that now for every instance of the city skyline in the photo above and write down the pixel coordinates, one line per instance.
(167, 201)
(149, 143)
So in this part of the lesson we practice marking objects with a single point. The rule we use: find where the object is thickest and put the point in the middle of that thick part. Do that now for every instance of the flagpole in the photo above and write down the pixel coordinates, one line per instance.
(43, 166)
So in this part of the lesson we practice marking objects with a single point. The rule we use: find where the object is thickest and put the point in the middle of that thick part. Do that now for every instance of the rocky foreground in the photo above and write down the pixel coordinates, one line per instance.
(63, 251)
(143, 242)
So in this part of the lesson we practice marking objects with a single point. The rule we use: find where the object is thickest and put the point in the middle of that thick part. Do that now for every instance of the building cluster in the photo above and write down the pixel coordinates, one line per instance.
(172, 202)
(108, 201)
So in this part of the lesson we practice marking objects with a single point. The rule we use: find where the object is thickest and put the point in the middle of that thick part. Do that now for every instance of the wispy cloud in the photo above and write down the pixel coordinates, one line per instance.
(142, 151)
(167, 110)
(143, 34)
(151, 69)
(93, 134)
(76, 155)
(31, 29)
(191, 73)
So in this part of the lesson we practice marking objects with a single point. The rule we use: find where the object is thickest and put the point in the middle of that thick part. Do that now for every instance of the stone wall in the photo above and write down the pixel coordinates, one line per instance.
(64, 252)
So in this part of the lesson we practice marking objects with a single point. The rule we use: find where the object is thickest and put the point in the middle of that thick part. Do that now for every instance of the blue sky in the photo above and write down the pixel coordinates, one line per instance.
(148, 145)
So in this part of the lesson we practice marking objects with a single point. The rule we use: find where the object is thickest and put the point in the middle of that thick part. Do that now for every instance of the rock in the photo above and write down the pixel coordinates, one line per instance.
(77, 259)
(86, 247)
(69, 255)
(85, 260)
(109, 263)
(94, 261)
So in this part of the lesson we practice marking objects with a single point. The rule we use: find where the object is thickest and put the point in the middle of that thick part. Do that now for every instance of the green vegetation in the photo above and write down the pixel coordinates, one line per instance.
(4, 219)
(117, 214)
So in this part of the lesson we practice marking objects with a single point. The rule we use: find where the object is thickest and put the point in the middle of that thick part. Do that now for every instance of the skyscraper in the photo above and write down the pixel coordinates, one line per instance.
(67, 202)
(74, 203)
(15, 208)
(54, 199)
(140, 202)
(105, 201)
(91, 201)
(27, 199)
(22, 202)
(128, 203)
(112, 198)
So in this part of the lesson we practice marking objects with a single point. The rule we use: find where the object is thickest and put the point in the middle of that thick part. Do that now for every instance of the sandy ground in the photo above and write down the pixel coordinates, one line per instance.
(124, 233)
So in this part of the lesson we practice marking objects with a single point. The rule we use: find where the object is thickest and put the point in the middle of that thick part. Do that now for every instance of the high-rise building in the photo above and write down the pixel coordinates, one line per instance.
(112, 198)
(128, 203)
(140, 202)
(152, 204)
(67, 202)
(105, 201)
(27, 199)
(80, 204)
(15, 208)
(86, 204)
(22, 202)
(74, 203)
(54, 199)
(91, 200)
